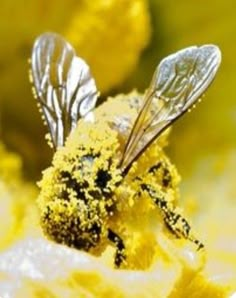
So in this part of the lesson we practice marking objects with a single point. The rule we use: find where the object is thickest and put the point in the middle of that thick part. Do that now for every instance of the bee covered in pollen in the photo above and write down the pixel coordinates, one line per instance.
(109, 174)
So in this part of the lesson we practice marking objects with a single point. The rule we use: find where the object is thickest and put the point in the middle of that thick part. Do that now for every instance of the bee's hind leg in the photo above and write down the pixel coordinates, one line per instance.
(120, 248)
(174, 221)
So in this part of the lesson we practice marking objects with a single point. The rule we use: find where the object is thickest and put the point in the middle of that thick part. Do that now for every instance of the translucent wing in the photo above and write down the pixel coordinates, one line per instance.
(64, 86)
(178, 82)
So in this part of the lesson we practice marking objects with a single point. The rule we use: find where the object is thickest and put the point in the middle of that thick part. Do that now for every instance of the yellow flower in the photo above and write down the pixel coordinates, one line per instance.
(17, 211)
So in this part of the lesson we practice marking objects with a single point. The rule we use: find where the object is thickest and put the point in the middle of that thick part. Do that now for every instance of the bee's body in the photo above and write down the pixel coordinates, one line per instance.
(109, 172)
(89, 196)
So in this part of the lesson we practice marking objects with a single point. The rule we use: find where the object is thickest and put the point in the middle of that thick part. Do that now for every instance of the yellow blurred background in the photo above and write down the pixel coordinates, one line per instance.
(123, 41)
(123, 50)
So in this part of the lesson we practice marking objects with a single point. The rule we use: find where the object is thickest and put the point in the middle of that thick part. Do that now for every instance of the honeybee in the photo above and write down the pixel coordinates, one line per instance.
(109, 159)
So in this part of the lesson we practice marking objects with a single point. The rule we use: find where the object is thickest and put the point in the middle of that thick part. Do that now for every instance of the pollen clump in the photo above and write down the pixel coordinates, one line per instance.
(76, 191)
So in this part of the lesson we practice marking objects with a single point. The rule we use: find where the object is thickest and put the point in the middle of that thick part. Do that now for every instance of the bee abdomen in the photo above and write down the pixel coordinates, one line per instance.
(81, 230)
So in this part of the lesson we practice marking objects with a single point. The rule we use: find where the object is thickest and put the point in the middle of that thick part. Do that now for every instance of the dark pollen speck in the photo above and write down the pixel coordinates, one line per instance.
(102, 178)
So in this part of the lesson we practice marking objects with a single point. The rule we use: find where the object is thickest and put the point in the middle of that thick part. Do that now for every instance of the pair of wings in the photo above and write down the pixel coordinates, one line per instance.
(66, 90)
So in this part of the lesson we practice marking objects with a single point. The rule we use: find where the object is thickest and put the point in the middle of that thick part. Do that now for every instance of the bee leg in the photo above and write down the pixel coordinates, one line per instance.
(120, 248)
(180, 227)
(174, 221)
(166, 175)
